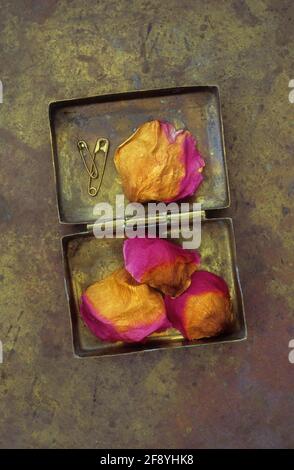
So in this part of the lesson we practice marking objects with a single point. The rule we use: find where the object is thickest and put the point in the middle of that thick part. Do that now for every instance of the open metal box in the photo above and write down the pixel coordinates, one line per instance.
(87, 259)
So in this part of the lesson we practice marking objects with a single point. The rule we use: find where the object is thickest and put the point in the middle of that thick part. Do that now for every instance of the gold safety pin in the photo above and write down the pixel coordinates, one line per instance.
(83, 149)
(102, 145)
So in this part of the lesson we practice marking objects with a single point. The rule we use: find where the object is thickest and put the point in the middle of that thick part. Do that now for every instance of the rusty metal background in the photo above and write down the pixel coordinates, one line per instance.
(238, 395)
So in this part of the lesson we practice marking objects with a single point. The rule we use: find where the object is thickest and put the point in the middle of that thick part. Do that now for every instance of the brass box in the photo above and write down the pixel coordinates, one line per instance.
(87, 259)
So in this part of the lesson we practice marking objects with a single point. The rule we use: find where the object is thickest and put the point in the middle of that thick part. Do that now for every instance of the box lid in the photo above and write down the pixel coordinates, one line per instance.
(115, 117)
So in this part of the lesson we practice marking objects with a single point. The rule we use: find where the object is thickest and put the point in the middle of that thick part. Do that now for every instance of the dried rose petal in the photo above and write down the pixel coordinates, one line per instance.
(158, 163)
(205, 308)
(119, 309)
(160, 264)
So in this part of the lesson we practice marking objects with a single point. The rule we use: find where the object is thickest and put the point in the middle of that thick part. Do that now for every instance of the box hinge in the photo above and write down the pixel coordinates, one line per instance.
(120, 225)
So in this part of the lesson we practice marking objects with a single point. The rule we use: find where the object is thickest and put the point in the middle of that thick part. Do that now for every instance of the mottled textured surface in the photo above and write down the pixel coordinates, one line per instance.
(238, 395)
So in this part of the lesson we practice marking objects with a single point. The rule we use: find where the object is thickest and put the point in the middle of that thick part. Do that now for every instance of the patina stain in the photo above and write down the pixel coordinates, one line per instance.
(234, 395)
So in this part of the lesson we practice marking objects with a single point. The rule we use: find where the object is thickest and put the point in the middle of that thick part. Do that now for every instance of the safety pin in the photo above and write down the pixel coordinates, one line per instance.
(83, 147)
(102, 145)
